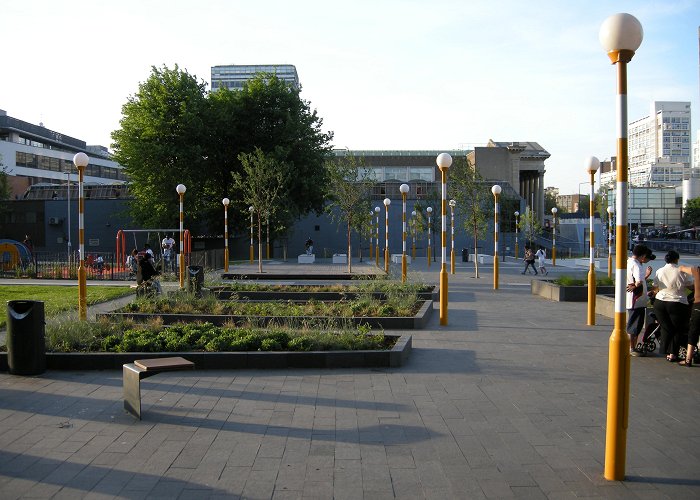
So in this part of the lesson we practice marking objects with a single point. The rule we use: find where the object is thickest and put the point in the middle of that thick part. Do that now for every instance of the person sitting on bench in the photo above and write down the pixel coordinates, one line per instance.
(146, 276)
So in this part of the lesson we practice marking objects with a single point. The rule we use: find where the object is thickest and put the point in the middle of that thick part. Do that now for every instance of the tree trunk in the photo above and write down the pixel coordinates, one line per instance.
(476, 250)
(260, 245)
(349, 251)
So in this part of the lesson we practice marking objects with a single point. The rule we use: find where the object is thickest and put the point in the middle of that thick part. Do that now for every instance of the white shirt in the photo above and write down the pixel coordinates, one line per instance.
(540, 255)
(634, 275)
(672, 284)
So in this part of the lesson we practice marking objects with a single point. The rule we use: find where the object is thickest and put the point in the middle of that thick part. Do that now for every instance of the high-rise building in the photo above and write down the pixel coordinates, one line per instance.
(233, 76)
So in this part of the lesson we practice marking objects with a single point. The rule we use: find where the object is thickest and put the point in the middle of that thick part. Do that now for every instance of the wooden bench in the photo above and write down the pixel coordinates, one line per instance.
(143, 368)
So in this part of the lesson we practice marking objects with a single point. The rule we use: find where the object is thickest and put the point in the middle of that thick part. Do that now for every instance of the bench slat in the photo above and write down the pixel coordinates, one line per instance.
(164, 364)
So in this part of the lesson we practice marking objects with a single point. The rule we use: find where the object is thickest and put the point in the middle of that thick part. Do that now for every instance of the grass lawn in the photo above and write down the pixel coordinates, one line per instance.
(57, 299)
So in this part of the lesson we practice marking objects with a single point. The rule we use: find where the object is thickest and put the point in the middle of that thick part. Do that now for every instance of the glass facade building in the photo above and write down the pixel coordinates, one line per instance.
(234, 76)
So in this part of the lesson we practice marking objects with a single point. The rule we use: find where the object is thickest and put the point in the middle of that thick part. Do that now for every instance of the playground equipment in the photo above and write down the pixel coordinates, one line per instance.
(122, 253)
(13, 253)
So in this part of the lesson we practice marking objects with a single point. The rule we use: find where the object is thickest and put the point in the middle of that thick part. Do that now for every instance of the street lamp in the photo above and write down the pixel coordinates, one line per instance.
(404, 191)
(371, 235)
(413, 223)
(430, 212)
(225, 201)
(181, 192)
(496, 190)
(376, 253)
(68, 227)
(517, 219)
(444, 161)
(592, 165)
(252, 250)
(267, 238)
(387, 202)
(610, 215)
(81, 160)
(452, 229)
(554, 236)
(620, 35)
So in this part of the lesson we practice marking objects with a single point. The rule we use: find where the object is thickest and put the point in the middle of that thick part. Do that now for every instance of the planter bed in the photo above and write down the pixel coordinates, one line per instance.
(396, 356)
(388, 323)
(224, 293)
(297, 277)
(565, 293)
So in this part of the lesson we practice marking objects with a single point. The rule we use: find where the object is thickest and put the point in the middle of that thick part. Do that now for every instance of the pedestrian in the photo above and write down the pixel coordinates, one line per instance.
(132, 262)
(694, 330)
(541, 254)
(168, 246)
(636, 299)
(147, 273)
(309, 245)
(529, 259)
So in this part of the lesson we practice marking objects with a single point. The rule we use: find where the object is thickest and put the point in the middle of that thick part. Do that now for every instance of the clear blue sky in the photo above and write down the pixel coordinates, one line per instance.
(382, 74)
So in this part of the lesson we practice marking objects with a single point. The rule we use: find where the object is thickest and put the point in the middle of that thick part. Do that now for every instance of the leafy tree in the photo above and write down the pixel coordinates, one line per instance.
(161, 143)
(264, 186)
(473, 197)
(691, 213)
(530, 226)
(348, 190)
(4, 190)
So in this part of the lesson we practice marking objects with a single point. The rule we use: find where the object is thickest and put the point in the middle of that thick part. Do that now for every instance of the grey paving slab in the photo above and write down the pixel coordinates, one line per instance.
(506, 401)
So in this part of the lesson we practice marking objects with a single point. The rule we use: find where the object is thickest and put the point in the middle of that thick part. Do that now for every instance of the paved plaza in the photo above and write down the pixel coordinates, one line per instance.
(507, 401)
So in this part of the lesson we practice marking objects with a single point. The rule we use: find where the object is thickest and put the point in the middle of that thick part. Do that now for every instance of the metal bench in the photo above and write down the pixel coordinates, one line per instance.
(143, 368)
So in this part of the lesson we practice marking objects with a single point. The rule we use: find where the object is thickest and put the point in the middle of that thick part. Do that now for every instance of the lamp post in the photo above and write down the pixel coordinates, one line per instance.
(430, 212)
(404, 191)
(444, 161)
(81, 161)
(376, 253)
(267, 238)
(452, 204)
(181, 193)
(621, 35)
(496, 190)
(68, 214)
(592, 164)
(554, 236)
(225, 201)
(413, 224)
(252, 250)
(517, 219)
(610, 215)
(371, 235)
(387, 202)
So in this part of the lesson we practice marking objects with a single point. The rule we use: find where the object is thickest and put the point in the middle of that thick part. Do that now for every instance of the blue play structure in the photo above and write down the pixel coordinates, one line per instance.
(13, 253)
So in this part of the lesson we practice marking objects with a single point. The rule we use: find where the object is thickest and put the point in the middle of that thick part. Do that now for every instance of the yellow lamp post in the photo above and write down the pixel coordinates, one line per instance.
(413, 231)
(252, 249)
(225, 202)
(81, 160)
(430, 213)
(610, 215)
(496, 190)
(181, 193)
(444, 161)
(267, 232)
(621, 35)
(371, 235)
(517, 224)
(554, 236)
(452, 204)
(376, 253)
(592, 164)
(404, 191)
(387, 202)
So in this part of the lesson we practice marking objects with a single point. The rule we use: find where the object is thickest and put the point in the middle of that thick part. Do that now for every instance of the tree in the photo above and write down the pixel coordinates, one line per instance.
(161, 144)
(530, 226)
(691, 213)
(264, 186)
(4, 190)
(348, 190)
(473, 197)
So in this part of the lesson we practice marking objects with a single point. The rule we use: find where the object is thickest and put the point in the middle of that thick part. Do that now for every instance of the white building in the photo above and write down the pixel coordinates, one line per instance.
(233, 76)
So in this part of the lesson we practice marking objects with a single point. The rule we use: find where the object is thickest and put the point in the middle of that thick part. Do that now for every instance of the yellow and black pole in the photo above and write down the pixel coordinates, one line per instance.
(496, 190)
(610, 253)
(592, 165)
(444, 161)
(387, 202)
(621, 35)
(371, 235)
(81, 160)
(181, 193)
(225, 202)
(404, 191)
(252, 249)
(267, 240)
(413, 231)
(554, 236)
(376, 253)
(430, 213)
(452, 229)
(517, 221)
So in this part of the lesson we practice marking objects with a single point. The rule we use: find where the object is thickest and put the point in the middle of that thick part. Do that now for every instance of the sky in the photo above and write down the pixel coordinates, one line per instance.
(382, 74)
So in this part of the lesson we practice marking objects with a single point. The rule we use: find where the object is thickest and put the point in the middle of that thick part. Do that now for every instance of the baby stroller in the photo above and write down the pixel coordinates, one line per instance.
(652, 332)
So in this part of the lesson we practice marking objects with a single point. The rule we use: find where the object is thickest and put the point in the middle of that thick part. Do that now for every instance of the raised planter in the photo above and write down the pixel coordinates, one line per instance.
(297, 277)
(605, 305)
(396, 356)
(569, 293)
(224, 293)
(388, 323)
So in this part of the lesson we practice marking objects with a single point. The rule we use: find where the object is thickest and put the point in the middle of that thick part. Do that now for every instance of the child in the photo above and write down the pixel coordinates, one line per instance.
(541, 254)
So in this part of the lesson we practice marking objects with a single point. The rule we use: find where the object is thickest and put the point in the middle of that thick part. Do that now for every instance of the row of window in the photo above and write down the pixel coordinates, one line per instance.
(52, 164)
(403, 174)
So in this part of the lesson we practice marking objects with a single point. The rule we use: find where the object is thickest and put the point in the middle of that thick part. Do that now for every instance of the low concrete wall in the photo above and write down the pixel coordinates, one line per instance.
(552, 291)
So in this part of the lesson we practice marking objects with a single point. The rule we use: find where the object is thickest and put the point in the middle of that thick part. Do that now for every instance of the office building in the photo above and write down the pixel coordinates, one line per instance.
(233, 76)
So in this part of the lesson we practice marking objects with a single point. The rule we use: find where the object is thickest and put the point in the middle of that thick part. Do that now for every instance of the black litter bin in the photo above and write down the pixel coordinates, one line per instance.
(465, 255)
(26, 350)
(195, 279)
